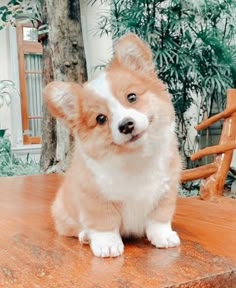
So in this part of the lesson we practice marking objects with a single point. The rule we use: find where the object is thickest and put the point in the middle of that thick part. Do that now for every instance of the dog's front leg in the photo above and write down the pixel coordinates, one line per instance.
(101, 230)
(158, 224)
(102, 243)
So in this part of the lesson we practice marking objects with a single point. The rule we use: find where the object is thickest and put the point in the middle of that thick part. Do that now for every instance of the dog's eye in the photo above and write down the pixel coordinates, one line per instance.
(101, 119)
(132, 97)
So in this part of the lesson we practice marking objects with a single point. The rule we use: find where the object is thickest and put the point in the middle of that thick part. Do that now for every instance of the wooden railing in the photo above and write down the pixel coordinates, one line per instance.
(213, 175)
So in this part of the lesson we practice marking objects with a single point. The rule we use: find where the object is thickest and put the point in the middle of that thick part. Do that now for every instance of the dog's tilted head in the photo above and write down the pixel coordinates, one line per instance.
(116, 110)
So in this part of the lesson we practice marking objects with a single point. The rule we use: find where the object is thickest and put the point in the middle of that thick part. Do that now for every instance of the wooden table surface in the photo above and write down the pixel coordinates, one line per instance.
(33, 255)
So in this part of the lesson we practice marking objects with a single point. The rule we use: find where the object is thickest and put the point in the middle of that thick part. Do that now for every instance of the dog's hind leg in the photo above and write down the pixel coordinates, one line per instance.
(64, 224)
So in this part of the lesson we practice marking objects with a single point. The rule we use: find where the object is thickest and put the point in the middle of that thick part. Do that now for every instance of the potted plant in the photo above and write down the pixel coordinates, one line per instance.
(9, 163)
(8, 91)
(7, 87)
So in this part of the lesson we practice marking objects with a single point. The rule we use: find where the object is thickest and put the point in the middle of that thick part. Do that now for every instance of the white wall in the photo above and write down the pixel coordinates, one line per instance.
(4, 60)
(98, 49)
(10, 116)
(5, 119)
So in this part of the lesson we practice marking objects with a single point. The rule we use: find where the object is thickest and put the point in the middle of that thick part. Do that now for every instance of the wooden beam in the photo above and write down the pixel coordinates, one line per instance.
(216, 149)
(32, 47)
(198, 173)
(222, 115)
(24, 108)
(35, 140)
(212, 187)
(25, 47)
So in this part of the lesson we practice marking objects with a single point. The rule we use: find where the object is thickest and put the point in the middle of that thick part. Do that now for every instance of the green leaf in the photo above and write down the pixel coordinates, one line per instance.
(5, 14)
(13, 2)
(2, 8)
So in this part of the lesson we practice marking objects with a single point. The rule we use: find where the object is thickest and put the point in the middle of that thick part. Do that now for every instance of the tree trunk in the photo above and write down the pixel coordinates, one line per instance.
(69, 64)
(49, 138)
(49, 133)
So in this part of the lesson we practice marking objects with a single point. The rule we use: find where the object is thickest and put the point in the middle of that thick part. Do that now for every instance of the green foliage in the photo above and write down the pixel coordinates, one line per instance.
(8, 93)
(193, 44)
(21, 10)
(231, 177)
(6, 87)
(189, 189)
(11, 165)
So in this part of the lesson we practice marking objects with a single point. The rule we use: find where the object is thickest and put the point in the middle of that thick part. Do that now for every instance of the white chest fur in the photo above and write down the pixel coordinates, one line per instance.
(136, 183)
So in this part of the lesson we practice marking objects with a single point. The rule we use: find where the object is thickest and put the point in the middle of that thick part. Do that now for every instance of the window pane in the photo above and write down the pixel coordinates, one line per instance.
(30, 34)
(33, 74)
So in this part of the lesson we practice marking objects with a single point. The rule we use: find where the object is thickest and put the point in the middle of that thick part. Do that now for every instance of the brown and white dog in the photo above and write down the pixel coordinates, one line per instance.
(123, 177)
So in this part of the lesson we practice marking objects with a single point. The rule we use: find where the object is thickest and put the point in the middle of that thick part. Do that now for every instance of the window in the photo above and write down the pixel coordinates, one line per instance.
(30, 73)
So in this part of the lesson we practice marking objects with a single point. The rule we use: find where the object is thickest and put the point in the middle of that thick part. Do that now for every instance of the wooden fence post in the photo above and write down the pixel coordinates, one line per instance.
(213, 186)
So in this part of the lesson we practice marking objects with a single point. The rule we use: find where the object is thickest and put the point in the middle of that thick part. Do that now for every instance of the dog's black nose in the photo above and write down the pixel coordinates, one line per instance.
(126, 126)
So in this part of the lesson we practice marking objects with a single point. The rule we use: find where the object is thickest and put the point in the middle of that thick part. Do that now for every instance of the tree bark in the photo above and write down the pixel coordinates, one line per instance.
(49, 138)
(49, 133)
(69, 64)
(66, 40)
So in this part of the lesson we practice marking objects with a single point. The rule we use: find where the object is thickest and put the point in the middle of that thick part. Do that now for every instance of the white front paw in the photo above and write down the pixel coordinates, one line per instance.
(164, 240)
(106, 244)
(161, 235)
(84, 237)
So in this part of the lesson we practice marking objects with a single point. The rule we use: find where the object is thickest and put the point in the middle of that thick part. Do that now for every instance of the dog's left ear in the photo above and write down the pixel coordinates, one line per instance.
(133, 53)
(62, 100)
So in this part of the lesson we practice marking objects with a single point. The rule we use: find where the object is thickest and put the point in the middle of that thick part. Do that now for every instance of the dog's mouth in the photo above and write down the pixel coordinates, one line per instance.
(136, 137)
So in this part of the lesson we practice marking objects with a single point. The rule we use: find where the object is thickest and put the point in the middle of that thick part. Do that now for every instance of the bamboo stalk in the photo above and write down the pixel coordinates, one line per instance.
(198, 173)
(216, 149)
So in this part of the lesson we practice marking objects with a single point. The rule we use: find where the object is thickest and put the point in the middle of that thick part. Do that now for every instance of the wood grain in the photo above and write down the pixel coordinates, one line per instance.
(229, 110)
(216, 149)
(198, 172)
(26, 47)
(33, 255)
(212, 187)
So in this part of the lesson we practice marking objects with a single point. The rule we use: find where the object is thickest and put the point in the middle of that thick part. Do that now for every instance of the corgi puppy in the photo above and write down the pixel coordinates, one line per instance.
(123, 176)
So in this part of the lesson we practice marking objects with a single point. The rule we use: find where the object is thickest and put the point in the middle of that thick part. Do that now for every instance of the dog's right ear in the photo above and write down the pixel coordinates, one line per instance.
(134, 54)
(62, 100)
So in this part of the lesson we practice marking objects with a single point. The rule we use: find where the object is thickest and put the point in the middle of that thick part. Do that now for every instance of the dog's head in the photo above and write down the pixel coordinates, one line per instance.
(116, 110)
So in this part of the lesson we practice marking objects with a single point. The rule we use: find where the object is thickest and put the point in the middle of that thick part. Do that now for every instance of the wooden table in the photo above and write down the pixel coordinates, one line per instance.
(33, 255)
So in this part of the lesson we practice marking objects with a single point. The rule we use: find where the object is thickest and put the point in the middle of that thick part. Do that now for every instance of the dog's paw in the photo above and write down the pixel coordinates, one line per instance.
(162, 236)
(84, 237)
(164, 240)
(106, 244)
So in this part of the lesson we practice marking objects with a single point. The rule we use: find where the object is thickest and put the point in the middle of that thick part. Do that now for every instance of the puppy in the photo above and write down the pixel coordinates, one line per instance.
(123, 177)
